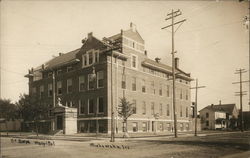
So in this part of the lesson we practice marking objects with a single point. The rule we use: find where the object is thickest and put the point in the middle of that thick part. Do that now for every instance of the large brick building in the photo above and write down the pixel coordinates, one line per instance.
(146, 83)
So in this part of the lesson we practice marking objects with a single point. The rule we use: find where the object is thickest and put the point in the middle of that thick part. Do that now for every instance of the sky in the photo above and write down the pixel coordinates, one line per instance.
(211, 44)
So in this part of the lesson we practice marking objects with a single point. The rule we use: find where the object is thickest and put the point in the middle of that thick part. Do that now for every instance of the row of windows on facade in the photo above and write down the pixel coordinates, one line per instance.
(153, 111)
(152, 87)
(100, 84)
(82, 84)
(90, 104)
(146, 126)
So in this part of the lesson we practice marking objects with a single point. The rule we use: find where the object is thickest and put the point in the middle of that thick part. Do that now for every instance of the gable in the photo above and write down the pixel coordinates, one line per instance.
(134, 35)
(91, 43)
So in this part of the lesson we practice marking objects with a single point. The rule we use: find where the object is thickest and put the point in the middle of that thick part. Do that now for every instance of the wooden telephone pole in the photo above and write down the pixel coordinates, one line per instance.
(172, 16)
(195, 106)
(241, 93)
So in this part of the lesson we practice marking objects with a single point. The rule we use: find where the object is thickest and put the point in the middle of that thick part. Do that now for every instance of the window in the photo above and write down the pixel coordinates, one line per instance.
(187, 127)
(41, 91)
(207, 123)
(100, 79)
(186, 111)
(144, 126)
(69, 68)
(152, 108)
(186, 94)
(160, 90)
(134, 61)
(153, 87)
(161, 127)
(143, 86)
(180, 111)
(81, 107)
(96, 56)
(82, 83)
(135, 126)
(180, 93)
(91, 106)
(144, 108)
(50, 74)
(59, 71)
(69, 85)
(207, 115)
(134, 106)
(90, 82)
(59, 88)
(160, 110)
(123, 82)
(90, 58)
(168, 127)
(50, 92)
(84, 60)
(167, 109)
(167, 90)
(133, 84)
(100, 105)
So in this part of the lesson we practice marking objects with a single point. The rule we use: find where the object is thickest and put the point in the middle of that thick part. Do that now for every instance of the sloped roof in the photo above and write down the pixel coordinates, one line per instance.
(228, 108)
(165, 68)
(62, 59)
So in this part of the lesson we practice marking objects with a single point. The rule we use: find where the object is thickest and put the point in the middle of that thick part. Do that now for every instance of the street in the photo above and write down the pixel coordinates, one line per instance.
(216, 145)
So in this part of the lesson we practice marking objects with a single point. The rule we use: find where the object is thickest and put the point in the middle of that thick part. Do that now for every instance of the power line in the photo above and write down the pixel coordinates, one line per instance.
(172, 16)
(241, 93)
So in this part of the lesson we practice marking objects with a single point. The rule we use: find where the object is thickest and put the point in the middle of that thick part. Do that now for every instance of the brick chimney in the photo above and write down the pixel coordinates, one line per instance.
(176, 62)
(133, 27)
(90, 35)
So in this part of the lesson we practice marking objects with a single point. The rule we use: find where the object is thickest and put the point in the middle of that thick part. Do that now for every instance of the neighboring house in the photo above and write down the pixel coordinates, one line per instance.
(219, 116)
(146, 83)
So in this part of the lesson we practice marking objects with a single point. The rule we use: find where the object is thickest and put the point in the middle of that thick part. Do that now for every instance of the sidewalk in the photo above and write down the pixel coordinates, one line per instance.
(92, 136)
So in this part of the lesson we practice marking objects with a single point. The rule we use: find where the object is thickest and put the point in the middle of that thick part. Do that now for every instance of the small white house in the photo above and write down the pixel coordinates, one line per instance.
(218, 116)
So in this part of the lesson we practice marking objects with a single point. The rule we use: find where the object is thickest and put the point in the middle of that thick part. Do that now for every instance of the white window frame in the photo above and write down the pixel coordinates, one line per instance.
(80, 105)
(89, 81)
(41, 89)
(97, 103)
(98, 78)
(93, 107)
(68, 85)
(136, 61)
(82, 82)
(50, 89)
(57, 87)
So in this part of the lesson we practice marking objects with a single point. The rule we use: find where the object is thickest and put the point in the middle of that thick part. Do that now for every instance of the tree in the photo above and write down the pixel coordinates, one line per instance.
(31, 109)
(7, 111)
(125, 110)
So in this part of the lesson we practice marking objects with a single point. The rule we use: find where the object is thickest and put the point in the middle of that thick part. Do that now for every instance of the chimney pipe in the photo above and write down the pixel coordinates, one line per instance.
(220, 102)
(145, 53)
(176, 62)
(90, 35)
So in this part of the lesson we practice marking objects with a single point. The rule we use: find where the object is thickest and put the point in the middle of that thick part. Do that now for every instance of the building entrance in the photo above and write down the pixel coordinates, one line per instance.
(59, 124)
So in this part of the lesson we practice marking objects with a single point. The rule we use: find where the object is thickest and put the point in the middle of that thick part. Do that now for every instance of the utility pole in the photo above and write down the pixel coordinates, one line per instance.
(241, 93)
(112, 106)
(195, 106)
(171, 16)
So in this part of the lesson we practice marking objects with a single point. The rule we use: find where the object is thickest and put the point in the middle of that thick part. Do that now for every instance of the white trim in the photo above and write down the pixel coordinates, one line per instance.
(134, 119)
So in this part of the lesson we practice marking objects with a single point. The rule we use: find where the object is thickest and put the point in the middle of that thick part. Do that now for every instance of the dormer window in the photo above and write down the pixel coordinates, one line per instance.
(91, 57)
(134, 61)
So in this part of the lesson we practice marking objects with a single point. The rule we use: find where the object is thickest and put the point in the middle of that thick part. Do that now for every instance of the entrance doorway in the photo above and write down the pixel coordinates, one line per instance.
(59, 124)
